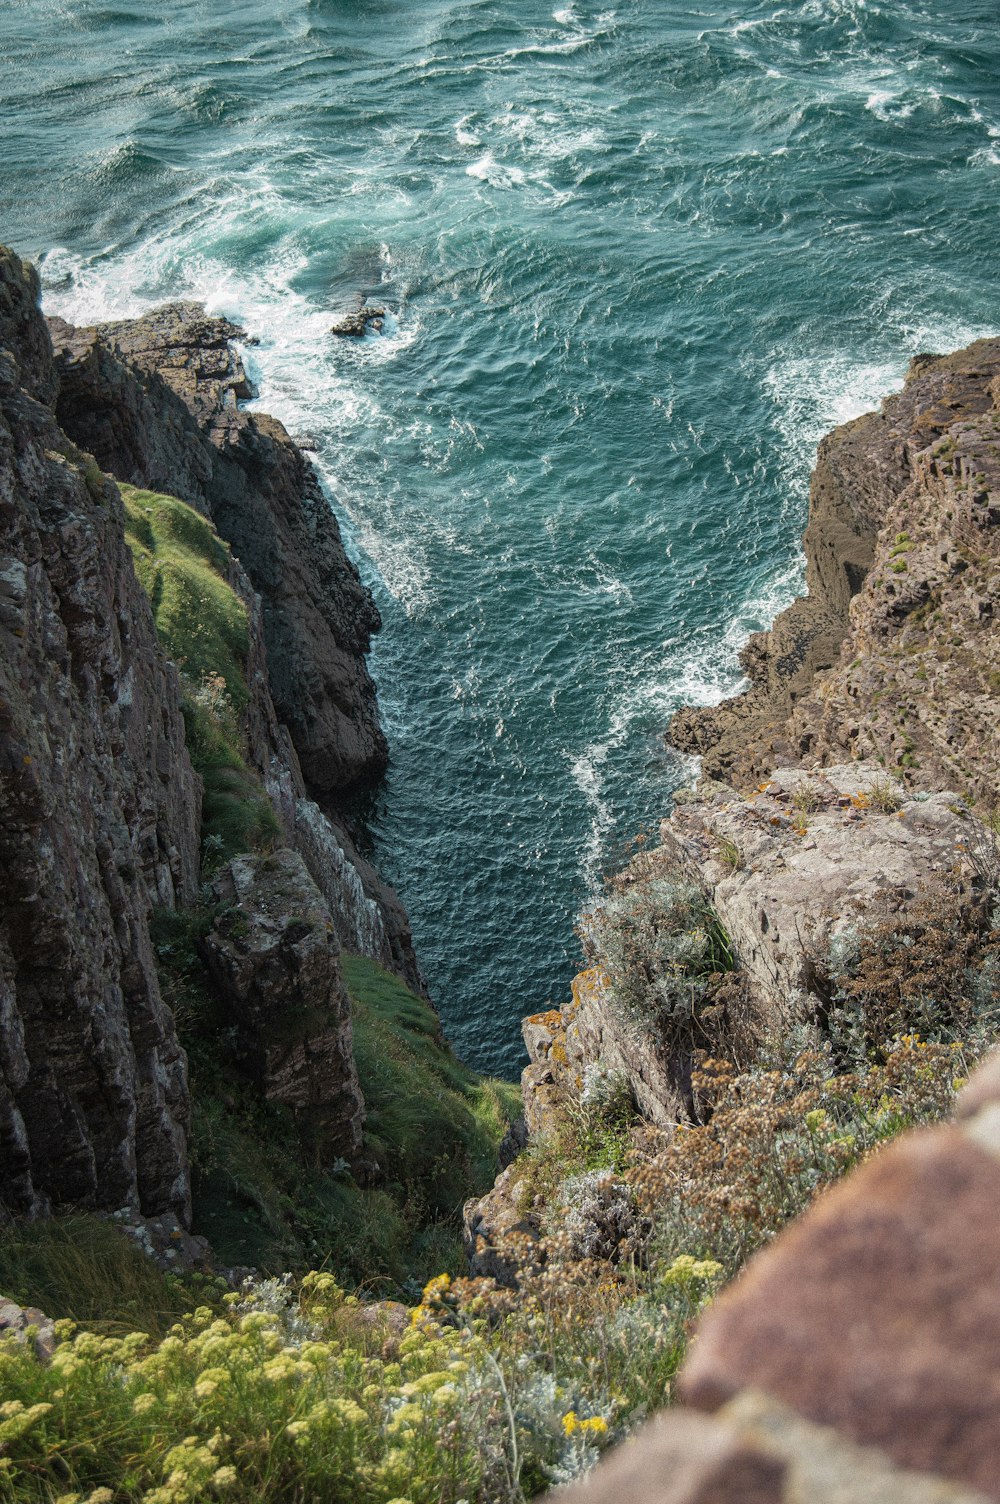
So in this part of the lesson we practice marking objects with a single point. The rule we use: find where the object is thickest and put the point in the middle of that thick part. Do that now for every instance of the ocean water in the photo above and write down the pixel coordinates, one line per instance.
(638, 257)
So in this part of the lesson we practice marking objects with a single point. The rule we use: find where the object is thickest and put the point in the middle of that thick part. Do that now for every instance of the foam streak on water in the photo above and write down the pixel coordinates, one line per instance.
(638, 259)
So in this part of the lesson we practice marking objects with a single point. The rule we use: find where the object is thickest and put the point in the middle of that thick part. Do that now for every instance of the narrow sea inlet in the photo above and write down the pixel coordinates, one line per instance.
(636, 259)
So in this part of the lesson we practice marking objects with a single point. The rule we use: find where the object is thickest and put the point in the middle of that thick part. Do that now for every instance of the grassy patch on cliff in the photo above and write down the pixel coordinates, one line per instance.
(431, 1138)
(86, 1268)
(182, 565)
(202, 623)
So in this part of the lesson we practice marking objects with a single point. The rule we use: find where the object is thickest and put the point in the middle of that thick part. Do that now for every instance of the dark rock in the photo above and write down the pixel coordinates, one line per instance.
(99, 815)
(156, 400)
(358, 321)
(894, 525)
(273, 954)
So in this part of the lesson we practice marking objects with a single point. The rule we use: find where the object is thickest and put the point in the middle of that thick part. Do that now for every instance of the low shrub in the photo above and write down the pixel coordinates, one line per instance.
(932, 969)
(661, 947)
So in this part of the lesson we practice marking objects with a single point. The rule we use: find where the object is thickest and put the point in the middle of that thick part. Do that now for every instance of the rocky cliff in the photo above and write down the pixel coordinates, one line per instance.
(155, 399)
(901, 548)
(102, 686)
(849, 790)
(99, 819)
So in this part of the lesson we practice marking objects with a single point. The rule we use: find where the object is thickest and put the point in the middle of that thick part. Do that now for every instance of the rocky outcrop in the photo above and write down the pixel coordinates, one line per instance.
(807, 857)
(272, 953)
(99, 816)
(155, 399)
(357, 321)
(27, 1324)
(900, 547)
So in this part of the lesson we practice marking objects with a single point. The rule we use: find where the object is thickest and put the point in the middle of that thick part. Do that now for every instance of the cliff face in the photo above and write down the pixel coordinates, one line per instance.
(843, 789)
(155, 400)
(99, 816)
(101, 809)
(900, 549)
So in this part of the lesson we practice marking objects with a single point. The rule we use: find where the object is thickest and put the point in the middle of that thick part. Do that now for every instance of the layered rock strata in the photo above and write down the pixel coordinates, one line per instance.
(155, 399)
(99, 818)
(901, 549)
(272, 952)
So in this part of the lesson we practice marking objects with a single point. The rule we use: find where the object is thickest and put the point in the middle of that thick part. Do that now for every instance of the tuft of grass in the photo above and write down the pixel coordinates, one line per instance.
(202, 623)
(88, 1269)
(433, 1124)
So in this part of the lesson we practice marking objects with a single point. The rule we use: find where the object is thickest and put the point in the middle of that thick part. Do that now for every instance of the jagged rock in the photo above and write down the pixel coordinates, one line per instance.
(358, 321)
(785, 880)
(273, 954)
(156, 399)
(165, 1241)
(99, 814)
(129, 393)
(499, 1234)
(926, 466)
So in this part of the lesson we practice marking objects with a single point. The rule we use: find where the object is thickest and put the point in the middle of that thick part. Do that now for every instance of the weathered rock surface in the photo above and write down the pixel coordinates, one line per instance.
(499, 1234)
(357, 321)
(17, 1322)
(754, 1444)
(901, 551)
(806, 856)
(129, 392)
(99, 814)
(877, 1313)
(273, 954)
(156, 400)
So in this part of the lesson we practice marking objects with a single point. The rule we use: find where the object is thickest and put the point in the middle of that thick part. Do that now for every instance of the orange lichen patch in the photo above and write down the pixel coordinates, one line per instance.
(551, 1019)
(860, 801)
(588, 984)
(558, 1053)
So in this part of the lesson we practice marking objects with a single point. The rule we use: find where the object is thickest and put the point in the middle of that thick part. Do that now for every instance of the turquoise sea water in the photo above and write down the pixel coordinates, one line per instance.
(639, 256)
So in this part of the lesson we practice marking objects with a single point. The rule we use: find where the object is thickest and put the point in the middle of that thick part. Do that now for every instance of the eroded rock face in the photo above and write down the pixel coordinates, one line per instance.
(273, 954)
(129, 393)
(99, 814)
(807, 856)
(902, 523)
(156, 400)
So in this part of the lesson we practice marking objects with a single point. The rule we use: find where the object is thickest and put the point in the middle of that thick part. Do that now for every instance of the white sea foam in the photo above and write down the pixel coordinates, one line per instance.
(294, 362)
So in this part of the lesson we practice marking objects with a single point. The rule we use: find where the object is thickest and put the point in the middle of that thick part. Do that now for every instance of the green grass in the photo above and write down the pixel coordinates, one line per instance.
(202, 624)
(432, 1122)
(431, 1138)
(182, 564)
(86, 1268)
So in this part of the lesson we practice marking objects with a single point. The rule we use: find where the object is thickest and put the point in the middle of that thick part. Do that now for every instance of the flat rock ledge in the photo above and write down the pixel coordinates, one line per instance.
(855, 1359)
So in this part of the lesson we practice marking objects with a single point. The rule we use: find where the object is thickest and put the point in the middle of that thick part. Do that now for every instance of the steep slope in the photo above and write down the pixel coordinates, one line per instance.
(155, 400)
(99, 818)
